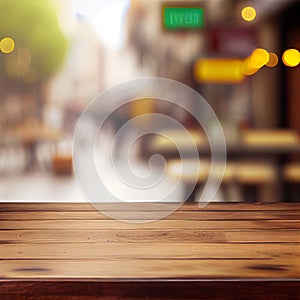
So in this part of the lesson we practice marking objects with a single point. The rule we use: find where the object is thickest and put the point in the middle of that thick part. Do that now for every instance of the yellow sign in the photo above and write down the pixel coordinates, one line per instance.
(227, 71)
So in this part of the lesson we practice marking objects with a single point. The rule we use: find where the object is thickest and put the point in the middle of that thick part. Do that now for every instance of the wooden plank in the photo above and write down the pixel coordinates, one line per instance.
(151, 268)
(142, 215)
(154, 236)
(162, 250)
(244, 242)
(165, 224)
(145, 207)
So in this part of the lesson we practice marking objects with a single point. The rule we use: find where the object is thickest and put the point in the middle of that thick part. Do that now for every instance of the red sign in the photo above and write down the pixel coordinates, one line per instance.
(232, 41)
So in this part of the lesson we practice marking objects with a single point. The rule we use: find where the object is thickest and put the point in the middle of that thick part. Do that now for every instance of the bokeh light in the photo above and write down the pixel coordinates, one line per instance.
(248, 13)
(7, 45)
(291, 57)
(209, 70)
(259, 58)
(273, 60)
(247, 68)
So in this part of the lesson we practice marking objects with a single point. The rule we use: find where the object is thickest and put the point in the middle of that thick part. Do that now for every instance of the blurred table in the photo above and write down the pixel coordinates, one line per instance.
(251, 144)
(254, 142)
(228, 251)
(30, 134)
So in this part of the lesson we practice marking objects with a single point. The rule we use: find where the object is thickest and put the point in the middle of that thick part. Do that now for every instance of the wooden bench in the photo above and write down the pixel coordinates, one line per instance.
(223, 251)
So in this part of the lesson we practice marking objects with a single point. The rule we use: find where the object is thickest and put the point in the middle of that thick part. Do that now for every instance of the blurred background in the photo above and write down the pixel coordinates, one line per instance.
(241, 56)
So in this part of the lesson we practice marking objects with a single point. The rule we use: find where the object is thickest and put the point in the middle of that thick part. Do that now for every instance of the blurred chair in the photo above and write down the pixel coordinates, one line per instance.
(12, 156)
(291, 175)
(32, 133)
(62, 164)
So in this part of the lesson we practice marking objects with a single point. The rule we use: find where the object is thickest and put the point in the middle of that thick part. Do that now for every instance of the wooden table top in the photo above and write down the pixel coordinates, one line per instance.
(67, 242)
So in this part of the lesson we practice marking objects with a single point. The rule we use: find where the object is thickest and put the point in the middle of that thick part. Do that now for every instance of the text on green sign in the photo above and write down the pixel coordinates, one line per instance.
(183, 17)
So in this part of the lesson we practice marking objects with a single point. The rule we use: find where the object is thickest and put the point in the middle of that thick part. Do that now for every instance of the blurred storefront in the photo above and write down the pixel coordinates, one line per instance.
(234, 58)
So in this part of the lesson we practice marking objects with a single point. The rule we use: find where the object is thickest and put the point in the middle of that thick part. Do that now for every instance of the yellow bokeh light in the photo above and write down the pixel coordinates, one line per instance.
(248, 13)
(7, 45)
(259, 58)
(210, 70)
(291, 58)
(273, 61)
(247, 67)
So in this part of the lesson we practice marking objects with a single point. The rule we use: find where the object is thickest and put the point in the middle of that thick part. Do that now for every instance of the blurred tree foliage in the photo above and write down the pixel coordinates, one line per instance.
(40, 46)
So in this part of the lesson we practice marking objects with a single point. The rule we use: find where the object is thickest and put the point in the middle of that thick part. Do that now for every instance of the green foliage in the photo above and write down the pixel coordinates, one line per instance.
(34, 26)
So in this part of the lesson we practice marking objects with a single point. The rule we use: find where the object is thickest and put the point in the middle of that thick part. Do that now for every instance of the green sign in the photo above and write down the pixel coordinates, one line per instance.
(183, 17)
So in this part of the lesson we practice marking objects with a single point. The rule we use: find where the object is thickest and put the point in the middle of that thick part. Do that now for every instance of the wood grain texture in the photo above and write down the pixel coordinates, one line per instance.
(149, 236)
(143, 215)
(161, 224)
(68, 207)
(224, 251)
(165, 268)
(166, 250)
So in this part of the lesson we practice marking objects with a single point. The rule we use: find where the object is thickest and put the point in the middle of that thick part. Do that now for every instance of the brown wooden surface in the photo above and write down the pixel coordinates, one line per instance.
(217, 250)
